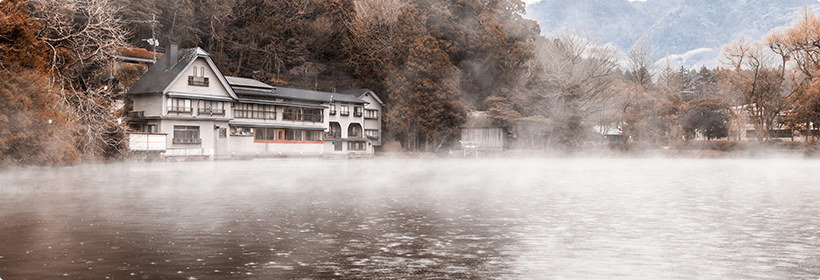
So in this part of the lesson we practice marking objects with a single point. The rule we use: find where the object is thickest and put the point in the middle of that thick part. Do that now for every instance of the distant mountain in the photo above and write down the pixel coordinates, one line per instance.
(691, 32)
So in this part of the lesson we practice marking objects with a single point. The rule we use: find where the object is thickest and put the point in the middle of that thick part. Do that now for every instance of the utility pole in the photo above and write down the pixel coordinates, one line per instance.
(153, 41)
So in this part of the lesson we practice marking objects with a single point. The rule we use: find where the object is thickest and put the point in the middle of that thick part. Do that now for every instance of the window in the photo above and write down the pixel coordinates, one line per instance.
(198, 80)
(294, 135)
(302, 114)
(337, 145)
(179, 105)
(332, 109)
(343, 111)
(357, 111)
(241, 131)
(211, 107)
(371, 114)
(335, 130)
(186, 135)
(313, 135)
(355, 146)
(354, 131)
(254, 111)
(290, 114)
(265, 134)
(372, 133)
(312, 115)
(281, 135)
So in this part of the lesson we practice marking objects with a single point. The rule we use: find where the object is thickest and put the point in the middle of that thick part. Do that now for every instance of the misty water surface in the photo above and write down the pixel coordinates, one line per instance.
(414, 219)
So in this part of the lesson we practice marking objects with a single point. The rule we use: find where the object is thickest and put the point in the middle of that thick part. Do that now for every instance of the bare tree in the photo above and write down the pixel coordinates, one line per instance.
(575, 78)
(578, 70)
(84, 36)
(759, 73)
(641, 62)
(646, 111)
(373, 31)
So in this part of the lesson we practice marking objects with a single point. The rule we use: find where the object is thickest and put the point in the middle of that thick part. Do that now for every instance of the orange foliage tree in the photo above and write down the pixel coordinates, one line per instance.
(33, 122)
(801, 43)
(758, 73)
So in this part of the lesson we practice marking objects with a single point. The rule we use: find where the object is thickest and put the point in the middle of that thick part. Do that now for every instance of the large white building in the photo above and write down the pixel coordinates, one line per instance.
(184, 106)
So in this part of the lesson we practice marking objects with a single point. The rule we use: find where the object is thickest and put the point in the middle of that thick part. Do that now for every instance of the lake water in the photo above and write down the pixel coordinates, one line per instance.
(414, 219)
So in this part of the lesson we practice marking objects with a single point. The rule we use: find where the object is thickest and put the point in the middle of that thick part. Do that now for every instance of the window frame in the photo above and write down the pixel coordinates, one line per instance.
(207, 107)
(254, 111)
(356, 146)
(173, 105)
(186, 134)
(286, 135)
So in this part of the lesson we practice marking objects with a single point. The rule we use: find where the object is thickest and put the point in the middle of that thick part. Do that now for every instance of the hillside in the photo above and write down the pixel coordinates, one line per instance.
(691, 32)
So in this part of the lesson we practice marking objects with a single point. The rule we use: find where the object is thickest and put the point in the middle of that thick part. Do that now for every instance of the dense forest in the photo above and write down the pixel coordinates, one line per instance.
(431, 61)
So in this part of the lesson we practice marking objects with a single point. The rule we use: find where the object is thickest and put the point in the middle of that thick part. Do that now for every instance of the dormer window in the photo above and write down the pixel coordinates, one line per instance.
(198, 80)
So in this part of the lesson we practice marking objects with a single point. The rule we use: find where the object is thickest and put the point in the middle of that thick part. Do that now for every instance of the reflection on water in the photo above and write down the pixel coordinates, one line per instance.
(414, 219)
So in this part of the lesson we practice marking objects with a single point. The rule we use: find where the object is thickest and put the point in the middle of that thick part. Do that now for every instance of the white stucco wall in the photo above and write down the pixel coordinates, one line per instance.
(206, 132)
(376, 124)
(214, 87)
(150, 104)
(245, 146)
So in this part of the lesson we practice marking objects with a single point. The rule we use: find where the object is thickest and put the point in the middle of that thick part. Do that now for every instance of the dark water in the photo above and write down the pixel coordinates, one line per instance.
(414, 219)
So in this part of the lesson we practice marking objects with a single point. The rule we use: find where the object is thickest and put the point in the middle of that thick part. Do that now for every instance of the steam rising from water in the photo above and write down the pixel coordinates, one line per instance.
(417, 219)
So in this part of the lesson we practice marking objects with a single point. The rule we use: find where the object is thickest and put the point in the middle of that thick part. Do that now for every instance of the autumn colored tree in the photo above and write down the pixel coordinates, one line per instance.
(799, 44)
(426, 103)
(33, 122)
(758, 74)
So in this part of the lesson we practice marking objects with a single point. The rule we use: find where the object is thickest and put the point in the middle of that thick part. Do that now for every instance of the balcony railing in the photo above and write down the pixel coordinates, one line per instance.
(332, 112)
(179, 109)
(212, 111)
(344, 113)
(296, 116)
(187, 140)
(197, 81)
(357, 114)
(136, 114)
(254, 114)
(333, 135)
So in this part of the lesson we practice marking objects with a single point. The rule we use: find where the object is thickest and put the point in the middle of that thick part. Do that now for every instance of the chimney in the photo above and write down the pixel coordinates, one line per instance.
(172, 55)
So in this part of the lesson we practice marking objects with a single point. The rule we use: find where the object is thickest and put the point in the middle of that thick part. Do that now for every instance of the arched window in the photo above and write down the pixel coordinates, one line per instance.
(354, 130)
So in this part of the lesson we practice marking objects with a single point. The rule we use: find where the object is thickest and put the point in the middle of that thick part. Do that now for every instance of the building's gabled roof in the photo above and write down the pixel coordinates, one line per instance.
(316, 96)
(358, 93)
(165, 72)
(245, 82)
